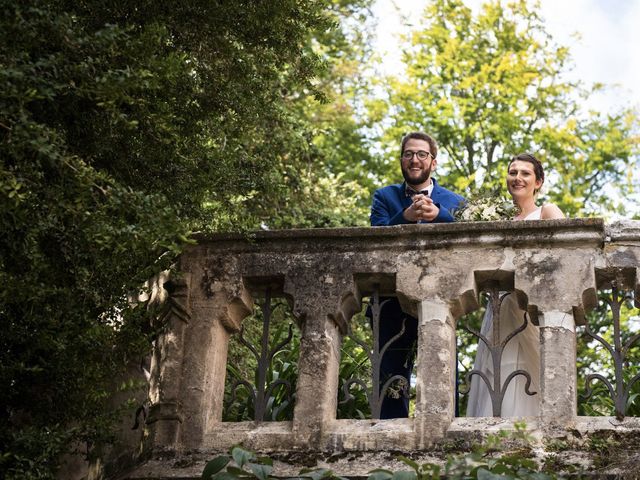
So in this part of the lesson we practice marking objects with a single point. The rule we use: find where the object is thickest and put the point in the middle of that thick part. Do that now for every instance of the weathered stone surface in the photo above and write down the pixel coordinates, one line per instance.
(555, 267)
(317, 386)
(594, 448)
(558, 384)
(436, 372)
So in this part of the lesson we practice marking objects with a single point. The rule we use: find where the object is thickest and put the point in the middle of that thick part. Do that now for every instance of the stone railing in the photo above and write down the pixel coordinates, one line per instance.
(555, 266)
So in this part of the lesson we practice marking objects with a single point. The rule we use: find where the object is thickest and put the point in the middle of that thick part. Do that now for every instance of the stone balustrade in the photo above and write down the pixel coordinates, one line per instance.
(555, 266)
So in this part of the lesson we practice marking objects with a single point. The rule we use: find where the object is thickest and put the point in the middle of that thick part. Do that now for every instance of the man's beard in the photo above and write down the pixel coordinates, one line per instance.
(417, 181)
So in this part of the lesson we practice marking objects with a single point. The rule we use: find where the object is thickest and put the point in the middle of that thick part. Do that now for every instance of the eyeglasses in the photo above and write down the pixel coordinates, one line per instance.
(421, 154)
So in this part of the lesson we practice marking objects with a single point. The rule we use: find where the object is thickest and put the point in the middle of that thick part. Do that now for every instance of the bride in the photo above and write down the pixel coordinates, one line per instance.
(525, 177)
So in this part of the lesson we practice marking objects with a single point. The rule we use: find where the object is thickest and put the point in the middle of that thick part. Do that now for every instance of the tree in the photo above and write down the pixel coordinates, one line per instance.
(123, 126)
(489, 86)
(325, 169)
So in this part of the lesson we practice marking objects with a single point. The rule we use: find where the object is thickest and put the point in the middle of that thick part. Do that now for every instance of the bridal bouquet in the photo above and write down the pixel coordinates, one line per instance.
(486, 208)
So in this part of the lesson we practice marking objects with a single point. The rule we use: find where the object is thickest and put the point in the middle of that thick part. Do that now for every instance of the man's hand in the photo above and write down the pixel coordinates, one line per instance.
(422, 208)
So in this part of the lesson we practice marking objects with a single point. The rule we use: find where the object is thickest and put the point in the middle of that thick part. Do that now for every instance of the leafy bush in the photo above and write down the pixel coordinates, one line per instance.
(249, 466)
(122, 129)
(242, 365)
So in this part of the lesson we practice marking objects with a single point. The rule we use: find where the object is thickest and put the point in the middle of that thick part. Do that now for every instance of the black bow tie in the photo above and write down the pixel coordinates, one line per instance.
(410, 192)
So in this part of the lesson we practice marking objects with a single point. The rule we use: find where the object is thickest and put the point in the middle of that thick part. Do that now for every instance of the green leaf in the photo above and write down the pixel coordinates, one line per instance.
(241, 456)
(238, 472)
(215, 465)
(409, 462)
(380, 474)
(404, 475)
(262, 472)
(316, 473)
(265, 460)
(483, 474)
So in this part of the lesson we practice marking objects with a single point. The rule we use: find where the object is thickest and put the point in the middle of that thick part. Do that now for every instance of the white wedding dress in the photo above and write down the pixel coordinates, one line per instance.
(521, 353)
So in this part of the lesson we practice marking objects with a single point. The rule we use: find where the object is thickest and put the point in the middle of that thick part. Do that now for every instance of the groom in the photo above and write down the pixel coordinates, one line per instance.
(418, 200)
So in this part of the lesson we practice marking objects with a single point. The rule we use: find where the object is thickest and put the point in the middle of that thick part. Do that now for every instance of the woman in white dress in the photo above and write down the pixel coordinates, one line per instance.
(524, 179)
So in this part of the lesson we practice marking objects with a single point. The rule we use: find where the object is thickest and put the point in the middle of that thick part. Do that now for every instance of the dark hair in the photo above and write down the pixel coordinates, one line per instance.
(537, 166)
(420, 136)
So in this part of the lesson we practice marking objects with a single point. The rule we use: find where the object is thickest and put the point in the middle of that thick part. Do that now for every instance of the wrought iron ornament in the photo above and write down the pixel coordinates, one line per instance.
(261, 392)
(619, 394)
(497, 389)
(375, 394)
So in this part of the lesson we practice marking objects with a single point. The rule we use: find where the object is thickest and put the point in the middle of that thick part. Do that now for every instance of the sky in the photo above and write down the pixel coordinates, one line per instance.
(602, 35)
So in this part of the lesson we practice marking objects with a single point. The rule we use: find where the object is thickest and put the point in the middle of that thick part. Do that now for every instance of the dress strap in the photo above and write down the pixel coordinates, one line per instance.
(535, 215)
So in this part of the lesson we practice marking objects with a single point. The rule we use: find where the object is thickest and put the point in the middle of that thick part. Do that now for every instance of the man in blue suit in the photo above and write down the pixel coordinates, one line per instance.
(418, 200)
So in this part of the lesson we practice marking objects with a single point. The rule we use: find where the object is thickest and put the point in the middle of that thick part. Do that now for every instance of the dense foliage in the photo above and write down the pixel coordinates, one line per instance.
(123, 127)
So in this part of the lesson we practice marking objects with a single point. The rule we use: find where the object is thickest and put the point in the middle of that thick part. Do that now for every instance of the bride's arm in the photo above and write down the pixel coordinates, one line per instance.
(551, 211)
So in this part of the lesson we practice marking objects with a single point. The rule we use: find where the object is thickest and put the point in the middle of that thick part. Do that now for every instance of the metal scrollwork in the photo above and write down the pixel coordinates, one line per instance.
(375, 395)
(619, 351)
(261, 393)
(496, 346)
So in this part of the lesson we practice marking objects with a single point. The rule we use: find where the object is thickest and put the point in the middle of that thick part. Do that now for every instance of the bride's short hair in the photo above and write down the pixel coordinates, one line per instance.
(537, 165)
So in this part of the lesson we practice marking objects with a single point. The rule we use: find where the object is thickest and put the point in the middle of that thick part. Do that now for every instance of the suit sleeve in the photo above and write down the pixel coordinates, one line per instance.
(445, 214)
(381, 214)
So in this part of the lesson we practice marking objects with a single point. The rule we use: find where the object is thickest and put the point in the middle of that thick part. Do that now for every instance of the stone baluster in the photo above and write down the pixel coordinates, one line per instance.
(218, 307)
(207, 303)
(430, 301)
(556, 288)
(165, 413)
(319, 307)
(558, 380)
(435, 372)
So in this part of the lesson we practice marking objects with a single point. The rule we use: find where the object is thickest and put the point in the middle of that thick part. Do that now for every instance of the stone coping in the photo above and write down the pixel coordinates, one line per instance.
(597, 224)
(586, 231)
(566, 447)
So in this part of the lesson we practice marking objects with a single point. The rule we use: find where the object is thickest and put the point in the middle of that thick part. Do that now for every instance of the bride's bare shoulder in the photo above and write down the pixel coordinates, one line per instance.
(551, 211)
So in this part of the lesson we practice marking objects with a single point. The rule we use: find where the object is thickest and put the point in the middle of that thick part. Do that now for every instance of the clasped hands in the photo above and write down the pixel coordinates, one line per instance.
(422, 208)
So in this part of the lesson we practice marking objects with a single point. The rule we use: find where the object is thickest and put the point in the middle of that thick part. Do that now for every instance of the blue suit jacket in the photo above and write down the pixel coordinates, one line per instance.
(389, 203)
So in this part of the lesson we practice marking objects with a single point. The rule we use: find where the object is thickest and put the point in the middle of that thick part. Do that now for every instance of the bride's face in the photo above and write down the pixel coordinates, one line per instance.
(521, 180)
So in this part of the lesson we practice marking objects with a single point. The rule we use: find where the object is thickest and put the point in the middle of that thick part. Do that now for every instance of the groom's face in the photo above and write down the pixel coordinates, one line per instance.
(416, 171)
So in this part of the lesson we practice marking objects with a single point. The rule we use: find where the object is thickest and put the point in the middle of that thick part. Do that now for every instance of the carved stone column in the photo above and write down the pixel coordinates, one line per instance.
(557, 284)
(319, 307)
(218, 306)
(317, 387)
(558, 380)
(165, 414)
(436, 371)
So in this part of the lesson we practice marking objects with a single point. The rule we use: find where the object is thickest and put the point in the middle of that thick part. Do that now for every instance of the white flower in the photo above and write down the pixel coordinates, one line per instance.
(487, 208)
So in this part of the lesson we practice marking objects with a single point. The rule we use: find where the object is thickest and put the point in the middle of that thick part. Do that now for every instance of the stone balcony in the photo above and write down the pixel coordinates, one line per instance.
(556, 267)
